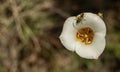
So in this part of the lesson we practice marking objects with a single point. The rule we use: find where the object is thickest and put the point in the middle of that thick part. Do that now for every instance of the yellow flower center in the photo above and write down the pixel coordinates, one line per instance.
(85, 35)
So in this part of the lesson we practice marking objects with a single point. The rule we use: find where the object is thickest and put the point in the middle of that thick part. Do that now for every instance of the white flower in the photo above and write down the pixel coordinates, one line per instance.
(84, 34)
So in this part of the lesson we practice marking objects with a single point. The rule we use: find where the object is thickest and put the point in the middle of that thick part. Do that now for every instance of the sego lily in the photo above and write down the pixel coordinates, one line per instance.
(84, 34)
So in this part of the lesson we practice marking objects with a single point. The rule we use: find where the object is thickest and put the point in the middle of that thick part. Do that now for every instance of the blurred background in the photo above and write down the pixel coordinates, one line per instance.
(29, 31)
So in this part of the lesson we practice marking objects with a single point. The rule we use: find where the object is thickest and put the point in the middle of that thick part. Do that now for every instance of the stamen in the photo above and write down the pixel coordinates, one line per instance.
(85, 35)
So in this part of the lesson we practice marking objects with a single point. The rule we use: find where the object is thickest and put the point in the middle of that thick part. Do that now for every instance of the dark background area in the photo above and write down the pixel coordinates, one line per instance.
(30, 29)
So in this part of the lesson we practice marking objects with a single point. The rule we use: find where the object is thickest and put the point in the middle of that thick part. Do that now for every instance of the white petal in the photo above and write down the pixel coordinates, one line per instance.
(98, 44)
(93, 21)
(68, 35)
(92, 51)
(70, 28)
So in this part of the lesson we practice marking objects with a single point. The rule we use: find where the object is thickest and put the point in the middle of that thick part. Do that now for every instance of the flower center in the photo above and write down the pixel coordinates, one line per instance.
(85, 35)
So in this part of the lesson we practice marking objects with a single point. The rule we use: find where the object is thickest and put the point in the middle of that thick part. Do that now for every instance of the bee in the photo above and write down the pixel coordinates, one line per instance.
(100, 15)
(79, 18)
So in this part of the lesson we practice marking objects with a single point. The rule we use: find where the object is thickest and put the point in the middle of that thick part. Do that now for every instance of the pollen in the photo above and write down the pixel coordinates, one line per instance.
(85, 35)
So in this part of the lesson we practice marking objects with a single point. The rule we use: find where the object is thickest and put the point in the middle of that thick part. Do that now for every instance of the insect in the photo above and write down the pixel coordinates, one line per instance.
(100, 15)
(79, 18)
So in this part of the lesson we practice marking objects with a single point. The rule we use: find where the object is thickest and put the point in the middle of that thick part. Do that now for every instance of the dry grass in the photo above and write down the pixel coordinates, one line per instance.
(29, 31)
